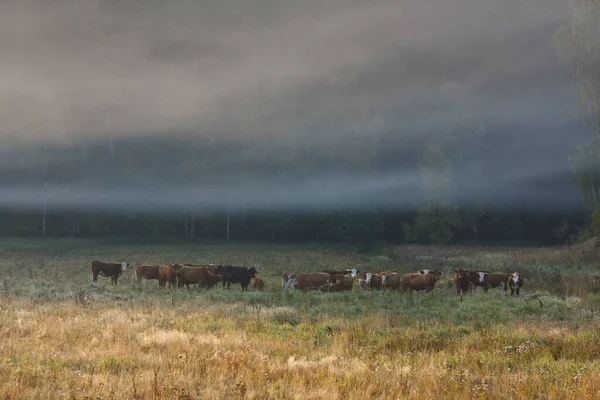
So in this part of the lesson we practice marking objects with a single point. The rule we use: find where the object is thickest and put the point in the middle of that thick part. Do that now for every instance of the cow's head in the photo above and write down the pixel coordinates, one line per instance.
(292, 283)
(425, 271)
(124, 266)
(253, 272)
(383, 280)
(369, 277)
(460, 273)
(286, 281)
(353, 272)
(516, 277)
(481, 276)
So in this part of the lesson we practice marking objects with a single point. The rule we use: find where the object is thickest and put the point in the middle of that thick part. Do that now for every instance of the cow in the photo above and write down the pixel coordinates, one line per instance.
(145, 271)
(341, 283)
(370, 281)
(419, 281)
(167, 274)
(391, 281)
(112, 270)
(259, 284)
(461, 282)
(471, 278)
(305, 282)
(495, 279)
(203, 276)
(352, 272)
(515, 282)
(241, 275)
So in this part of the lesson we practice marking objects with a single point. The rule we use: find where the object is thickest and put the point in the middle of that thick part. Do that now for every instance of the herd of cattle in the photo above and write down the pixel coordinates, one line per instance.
(207, 276)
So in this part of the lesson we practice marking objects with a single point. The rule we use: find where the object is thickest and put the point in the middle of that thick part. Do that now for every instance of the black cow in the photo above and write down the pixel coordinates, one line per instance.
(241, 275)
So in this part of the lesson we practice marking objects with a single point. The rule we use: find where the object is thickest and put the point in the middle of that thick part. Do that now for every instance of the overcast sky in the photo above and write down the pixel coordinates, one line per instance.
(312, 71)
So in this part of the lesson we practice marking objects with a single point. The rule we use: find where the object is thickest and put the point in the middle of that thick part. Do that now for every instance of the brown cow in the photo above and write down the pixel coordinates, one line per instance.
(112, 270)
(391, 281)
(370, 281)
(461, 282)
(419, 281)
(259, 284)
(471, 278)
(515, 282)
(203, 276)
(167, 273)
(495, 279)
(305, 282)
(145, 271)
(342, 283)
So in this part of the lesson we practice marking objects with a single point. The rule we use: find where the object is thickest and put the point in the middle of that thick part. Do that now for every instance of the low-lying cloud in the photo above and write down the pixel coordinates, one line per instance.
(306, 74)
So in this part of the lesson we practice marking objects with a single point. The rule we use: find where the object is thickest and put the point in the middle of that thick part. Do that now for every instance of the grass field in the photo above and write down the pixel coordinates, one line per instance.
(64, 338)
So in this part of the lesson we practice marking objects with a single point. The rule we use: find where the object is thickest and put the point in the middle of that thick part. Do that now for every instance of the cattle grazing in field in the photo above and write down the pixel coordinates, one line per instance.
(145, 271)
(202, 276)
(515, 282)
(259, 284)
(306, 282)
(352, 272)
(241, 275)
(420, 281)
(112, 270)
(341, 283)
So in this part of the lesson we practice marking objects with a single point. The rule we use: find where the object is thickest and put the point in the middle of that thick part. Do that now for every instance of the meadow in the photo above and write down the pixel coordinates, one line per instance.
(65, 338)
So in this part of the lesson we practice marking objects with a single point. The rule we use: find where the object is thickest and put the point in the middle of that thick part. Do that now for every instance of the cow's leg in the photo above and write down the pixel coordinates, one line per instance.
(485, 288)
(518, 287)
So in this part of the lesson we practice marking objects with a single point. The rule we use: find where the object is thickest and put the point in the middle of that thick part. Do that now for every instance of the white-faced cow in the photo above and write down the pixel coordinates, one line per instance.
(112, 270)
(305, 282)
(515, 282)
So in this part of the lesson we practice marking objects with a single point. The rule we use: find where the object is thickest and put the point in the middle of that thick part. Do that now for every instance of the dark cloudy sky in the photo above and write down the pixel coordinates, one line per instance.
(312, 71)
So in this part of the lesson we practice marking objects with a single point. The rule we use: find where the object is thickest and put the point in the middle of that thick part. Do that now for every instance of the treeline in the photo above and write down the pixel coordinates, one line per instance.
(361, 229)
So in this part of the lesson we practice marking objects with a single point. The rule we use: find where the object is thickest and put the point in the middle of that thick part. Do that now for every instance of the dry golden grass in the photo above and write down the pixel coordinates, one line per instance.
(62, 338)
(61, 350)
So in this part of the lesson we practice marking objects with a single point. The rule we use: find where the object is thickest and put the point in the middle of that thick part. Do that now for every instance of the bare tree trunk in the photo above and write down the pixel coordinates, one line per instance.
(193, 228)
(185, 224)
(45, 195)
(228, 222)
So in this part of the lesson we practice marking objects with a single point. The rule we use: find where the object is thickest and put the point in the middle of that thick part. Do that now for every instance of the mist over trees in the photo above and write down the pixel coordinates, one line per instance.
(188, 187)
